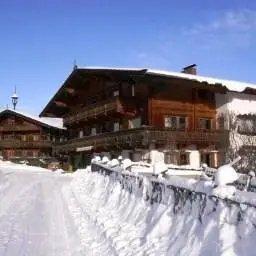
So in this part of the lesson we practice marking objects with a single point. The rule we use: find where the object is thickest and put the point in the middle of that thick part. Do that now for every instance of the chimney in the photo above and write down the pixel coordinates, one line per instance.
(191, 69)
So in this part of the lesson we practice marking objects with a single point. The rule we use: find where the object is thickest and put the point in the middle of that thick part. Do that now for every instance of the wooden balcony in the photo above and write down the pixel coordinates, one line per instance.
(142, 137)
(15, 143)
(102, 108)
(93, 111)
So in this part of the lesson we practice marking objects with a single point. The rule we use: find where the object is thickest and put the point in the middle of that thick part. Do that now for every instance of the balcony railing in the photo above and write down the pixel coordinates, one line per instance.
(15, 143)
(92, 111)
(142, 137)
(121, 105)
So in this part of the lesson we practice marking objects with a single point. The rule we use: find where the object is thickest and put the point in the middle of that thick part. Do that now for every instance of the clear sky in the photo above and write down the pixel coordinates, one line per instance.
(39, 40)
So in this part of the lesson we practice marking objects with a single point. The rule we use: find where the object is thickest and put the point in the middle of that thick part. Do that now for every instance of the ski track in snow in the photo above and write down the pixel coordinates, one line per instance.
(34, 218)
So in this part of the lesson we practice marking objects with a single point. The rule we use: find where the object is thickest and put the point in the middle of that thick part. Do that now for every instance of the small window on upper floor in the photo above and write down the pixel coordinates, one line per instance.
(182, 122)
(246, 124)
(205, 123)
(116, 93)
(171, 122)
(221, 122)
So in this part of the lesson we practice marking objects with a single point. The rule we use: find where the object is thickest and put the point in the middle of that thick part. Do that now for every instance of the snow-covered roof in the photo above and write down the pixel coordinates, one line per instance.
(230, 84)
(49, 121)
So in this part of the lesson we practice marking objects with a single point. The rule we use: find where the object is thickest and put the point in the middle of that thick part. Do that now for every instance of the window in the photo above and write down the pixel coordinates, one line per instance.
(30, 153)
(18, 153)
(135, 122)
(182, 122)
(247, 125)
(81, 134)
(183, 159)
(221, 122)
(24, 153)
(205, 123)
(36, 137)
(87, 131)
(93, 131)
(116, 93)
(170, 122)
(176, 122)
(116, 126)
(99, 128)
(35, 153)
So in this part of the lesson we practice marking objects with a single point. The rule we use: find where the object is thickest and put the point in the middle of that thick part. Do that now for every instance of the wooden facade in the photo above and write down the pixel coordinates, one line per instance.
(25, 138)
(108, 110)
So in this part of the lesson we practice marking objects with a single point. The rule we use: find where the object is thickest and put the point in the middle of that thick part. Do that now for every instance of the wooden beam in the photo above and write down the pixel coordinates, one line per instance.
(74, 92)
(60, 104)
(50, 114)
(70, 90)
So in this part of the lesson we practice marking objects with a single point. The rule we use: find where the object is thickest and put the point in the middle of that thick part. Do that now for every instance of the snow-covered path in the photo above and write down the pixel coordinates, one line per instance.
(34, 217)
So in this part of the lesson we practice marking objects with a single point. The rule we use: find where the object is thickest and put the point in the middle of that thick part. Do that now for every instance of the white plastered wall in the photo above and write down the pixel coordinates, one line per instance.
(234, 103)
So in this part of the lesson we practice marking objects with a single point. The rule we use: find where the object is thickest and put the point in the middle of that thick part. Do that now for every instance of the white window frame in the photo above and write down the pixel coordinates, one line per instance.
(204, 128)
(168, 123)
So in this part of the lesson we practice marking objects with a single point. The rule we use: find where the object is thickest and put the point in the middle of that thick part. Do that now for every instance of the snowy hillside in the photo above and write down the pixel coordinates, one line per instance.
(129, 215)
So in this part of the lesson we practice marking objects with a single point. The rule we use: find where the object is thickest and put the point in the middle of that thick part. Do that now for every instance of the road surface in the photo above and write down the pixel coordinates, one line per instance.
(34, 217)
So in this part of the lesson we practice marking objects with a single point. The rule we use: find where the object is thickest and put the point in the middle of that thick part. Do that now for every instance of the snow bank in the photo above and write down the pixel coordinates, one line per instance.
(10, 166)
(128, 214)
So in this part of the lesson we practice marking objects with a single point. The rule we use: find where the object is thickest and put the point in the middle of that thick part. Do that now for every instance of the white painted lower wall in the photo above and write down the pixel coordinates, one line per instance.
(194, 159)
(156, 156)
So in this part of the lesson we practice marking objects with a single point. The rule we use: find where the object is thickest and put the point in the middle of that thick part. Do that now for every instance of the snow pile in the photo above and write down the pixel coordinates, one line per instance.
(10, 166)
(121, 214)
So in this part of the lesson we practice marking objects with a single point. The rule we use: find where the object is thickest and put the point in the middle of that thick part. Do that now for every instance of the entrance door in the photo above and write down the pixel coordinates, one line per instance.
(206, 159)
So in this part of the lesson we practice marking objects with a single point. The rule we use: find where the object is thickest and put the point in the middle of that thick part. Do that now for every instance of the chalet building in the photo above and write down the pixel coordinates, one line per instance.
(143, 114)
(25, 137)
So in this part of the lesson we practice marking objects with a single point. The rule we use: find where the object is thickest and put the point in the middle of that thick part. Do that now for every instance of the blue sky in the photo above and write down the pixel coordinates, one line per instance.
(41, 39)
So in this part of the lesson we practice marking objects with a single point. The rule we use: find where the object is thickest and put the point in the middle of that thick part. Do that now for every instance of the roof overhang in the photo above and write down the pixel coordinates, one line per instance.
(55, 104)
(57, 108)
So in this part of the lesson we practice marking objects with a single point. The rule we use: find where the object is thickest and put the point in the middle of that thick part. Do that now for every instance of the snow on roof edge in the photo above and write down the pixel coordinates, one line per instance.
(231, 85)
(111, 68)
(53, 122)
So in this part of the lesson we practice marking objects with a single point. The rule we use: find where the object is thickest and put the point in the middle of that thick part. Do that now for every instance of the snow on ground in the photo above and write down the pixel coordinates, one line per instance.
(119, 221)
(88, 213)
(34, 218)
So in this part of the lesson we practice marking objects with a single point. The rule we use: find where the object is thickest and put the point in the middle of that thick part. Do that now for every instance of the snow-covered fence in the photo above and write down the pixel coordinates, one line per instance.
(133, 214)
(158, 190)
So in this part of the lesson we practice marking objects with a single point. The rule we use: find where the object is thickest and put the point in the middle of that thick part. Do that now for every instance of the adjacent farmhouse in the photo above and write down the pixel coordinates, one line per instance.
(24, 137)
